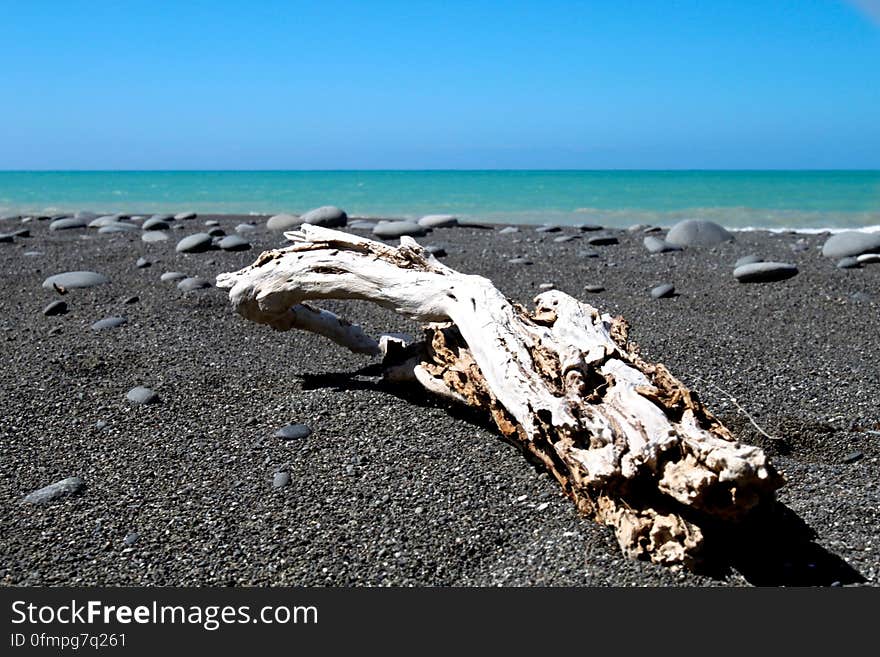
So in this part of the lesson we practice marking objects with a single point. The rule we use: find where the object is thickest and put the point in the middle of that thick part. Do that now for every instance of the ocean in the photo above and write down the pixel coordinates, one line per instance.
(776, 200)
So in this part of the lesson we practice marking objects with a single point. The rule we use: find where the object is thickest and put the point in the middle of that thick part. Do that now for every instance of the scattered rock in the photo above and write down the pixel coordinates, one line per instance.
(764, 272)
(663, 291)
(197, 243)
(100, 222)
(602, 240)
(141, 396)
(118, 227)
(293, 432)
(520, 261)
(6, 238)
(696, 232)
(217, 232)
(170, 276)
(185, 216)
(589, 228)
(143, 263)
(438, 221)
(68, 223)
(851, 243)
(193, 283)
(328, 216)
(234, 243)
(852, 457)
(154, 223)
(562, 239)
(108, 322)
(436, 251)
(243, 229)
(130, 300)
(280, 480)
(362, 224)
(507, 230)
(282, 222)
(56, 491)
(594, 288)
(548, 229)
(130, 539)
(658, 245)
(395, 229)
(75, 279)
(869, 258)
(55, 308)
(154, 236)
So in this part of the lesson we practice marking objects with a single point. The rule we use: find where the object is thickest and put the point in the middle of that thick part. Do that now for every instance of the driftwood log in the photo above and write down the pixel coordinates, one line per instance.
(629, 443)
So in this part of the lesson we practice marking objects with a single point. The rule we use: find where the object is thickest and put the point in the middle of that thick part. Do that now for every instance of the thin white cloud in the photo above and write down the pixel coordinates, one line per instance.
(869, 8)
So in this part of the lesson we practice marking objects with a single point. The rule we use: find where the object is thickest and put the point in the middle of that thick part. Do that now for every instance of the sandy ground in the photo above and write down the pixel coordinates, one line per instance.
(391, 488)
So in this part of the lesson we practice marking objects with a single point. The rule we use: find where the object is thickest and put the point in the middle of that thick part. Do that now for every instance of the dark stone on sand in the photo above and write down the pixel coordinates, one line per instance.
(56, 491)
(696, 232)
(548, 229)
(130, 539)
(170, 276)
(75, 279)
(234, 243)
(217, 232)
(211, 223)
(602, 240)
(154, 224)
(143, 263)
(588, 253)
(562, 239)
(68, 223)
(869, 258)
(162, 217)
(130, 300)
(851, 243)
(508, 229)
(293, 432)
(850, 262)
(663, 291)
(436, 251)
(185, 216)
(328, 216)
(658, 245)
(154, 236)
(747, 260)
(108, 323)
(852, 457)
(438, 221)
(589, 228)
(6, 238)
(520, 261)
(22, 232)
(764, 272)
(55, 308)
(282, 222)
(142, 396)
(394, 229)
(193, 283)
(280, 480)
(594, 288)
(197, 243)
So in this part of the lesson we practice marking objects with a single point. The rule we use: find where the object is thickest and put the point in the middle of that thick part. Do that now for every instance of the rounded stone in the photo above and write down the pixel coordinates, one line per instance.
(118, 227)
(245, 228)
(747, 260)
(56, 491)
(764, 272)
(170, 276)
(438, 221)
(594, 288)
(106, 220)
(143, 263)
(154, 236)
(282, 222)
(328, 216)
(234, 243)
(185, 216)
(293, 432)
(658, 245)
(141, 396)
(697, 232)
(197, 243)
(108, 323)
(602, 240)
(394, 229)
(68, 223)
(154, 223)
(850, 262)
(193, 283)
(663, 291)
(75, 279)
(851, 243)
(55, 308)
(280, 480)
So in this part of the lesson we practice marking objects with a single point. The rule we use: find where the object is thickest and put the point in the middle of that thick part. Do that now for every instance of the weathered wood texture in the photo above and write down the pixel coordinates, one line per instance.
(629, 443)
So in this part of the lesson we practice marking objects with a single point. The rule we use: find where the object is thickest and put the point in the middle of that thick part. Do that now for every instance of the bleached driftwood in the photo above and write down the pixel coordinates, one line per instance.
(629, 443)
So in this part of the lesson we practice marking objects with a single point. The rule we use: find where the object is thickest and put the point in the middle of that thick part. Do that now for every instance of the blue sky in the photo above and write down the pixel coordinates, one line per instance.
(267, 84)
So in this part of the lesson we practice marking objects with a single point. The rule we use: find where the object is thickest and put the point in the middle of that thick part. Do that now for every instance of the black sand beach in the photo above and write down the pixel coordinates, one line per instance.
(392, 488)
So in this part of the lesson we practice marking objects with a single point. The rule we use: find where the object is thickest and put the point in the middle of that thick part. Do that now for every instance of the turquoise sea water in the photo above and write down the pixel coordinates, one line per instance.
(736, 199)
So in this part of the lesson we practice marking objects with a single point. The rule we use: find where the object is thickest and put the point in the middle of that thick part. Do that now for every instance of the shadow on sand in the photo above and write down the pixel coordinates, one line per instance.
(774, 547)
